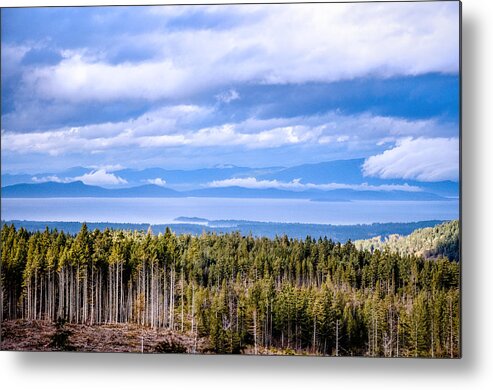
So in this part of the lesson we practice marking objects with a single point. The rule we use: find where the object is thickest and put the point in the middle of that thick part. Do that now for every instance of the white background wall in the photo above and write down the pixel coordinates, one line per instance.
(473, 371)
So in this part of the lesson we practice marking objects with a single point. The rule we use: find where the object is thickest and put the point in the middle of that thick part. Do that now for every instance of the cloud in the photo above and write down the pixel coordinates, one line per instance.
(423, 159)
(296, 43)
(157, 181)
(107, 168)
(100, 178)
(238, 135)
(132, 84)
(46, 179)
(182, 126)
(330, 139)
(228, 96)
(252, 182)
(76, 79)
(12, 56)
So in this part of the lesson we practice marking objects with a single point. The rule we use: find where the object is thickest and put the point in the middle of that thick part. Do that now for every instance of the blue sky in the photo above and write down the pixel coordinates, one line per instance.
(249, 85)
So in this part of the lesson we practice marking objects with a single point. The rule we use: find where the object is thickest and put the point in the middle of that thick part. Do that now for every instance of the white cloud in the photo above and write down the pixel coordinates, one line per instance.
(180, 126)
(12, 56)
(76, 79)
(157, 181)
(386, 140)
(100, 178)
(108, 168)
(252, 182)
(46, 179)
(288, 44)
(424, 159)
(238, 135)
(330, 139)
(228, 96)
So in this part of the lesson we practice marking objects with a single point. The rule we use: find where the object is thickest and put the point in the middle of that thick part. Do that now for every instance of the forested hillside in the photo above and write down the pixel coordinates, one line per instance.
(432, 242)
(243, 294)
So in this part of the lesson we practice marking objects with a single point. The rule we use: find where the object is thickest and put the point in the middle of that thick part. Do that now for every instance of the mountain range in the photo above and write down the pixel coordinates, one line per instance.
(308, 181)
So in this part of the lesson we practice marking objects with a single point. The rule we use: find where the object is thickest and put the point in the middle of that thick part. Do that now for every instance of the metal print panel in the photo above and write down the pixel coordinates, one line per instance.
(268, 179)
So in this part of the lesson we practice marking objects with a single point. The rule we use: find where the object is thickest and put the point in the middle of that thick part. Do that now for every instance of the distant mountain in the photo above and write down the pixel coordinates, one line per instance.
(444, 188)
(185, 179)
(350, 172)
(374, 195)
(71, 172)
(339, 171)
(146, 191)
(10, 179)
(53, 190)
(79, 189)
(195, 181)
(241, 192)
(191, 219)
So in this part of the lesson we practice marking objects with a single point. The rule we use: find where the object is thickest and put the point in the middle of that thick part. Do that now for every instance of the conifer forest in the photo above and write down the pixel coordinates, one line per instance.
(230, 293)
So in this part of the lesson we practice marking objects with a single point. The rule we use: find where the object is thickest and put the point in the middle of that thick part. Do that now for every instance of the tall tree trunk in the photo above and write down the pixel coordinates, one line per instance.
(255, 330)
(337, 337)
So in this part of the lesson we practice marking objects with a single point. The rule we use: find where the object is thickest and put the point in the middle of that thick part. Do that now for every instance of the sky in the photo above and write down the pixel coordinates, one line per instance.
(250, 85)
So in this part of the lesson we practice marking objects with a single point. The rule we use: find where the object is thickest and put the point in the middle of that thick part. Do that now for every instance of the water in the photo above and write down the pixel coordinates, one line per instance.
(165, 210)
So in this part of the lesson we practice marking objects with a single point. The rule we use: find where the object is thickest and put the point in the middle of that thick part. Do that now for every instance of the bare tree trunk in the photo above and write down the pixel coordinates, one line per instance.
(86, 295)
(152, 296)
(415, 338)
(432, 336)
(77, 295)
(398, 326)
(182, 301)
(92, 294)
(172, 301)
(255, 330)
(121, 293)
(165, 298)
(36, 293)
(108, 302)
(193, 305)
(391, 326)
(337, 337)
(314, 334)
(451, 329)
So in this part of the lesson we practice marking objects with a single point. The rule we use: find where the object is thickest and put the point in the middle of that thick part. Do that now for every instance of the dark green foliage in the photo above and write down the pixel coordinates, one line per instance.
(245, 294)
(170, 346)
(60, 339)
